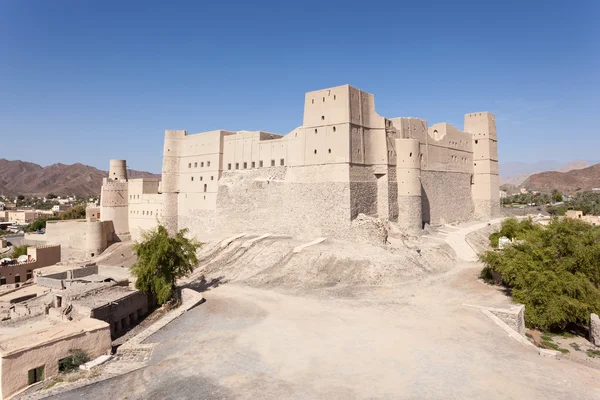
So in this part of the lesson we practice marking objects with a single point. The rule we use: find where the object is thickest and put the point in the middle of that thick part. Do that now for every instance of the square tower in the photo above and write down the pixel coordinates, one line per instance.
(485, 184)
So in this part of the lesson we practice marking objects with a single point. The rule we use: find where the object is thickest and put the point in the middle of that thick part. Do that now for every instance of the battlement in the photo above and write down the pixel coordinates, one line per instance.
(342, 158)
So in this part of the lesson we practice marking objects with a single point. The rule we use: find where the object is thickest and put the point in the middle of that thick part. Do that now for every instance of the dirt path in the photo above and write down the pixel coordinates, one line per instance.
(411, 341)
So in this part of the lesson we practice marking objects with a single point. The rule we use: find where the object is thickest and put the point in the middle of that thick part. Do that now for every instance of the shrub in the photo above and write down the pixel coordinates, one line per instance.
(19, 251)
(76, 358)
(512, 229)
(161, 260)
(553, 270)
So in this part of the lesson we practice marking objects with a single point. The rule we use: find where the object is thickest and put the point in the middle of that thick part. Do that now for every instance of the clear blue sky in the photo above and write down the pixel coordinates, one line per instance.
(85, 81)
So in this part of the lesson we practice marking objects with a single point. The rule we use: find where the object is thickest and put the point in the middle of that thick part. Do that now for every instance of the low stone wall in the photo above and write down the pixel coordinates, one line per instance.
(513, 317)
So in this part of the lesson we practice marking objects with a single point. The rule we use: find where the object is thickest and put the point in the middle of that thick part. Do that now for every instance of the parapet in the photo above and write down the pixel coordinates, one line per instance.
(117, 170)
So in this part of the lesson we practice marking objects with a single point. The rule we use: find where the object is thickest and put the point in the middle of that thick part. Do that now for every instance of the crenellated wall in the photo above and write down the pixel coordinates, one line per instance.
(345, 160)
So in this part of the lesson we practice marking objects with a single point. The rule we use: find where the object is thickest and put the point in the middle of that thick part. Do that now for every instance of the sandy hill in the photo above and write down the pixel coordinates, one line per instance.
(578, 179)
(20, 177)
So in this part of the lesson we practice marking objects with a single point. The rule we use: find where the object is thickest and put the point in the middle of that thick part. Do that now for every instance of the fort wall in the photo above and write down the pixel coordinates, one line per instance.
(343, 162)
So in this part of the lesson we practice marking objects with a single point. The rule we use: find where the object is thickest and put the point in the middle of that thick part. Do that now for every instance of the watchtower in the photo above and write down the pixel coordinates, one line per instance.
(485, 184)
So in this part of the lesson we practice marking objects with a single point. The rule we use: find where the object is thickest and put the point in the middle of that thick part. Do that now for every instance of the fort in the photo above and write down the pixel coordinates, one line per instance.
(346, 173)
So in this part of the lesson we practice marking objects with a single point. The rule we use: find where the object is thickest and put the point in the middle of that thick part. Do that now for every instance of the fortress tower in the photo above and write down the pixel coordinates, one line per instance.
(114, 199)
(485, 183)
(170, 179)
(408, 172)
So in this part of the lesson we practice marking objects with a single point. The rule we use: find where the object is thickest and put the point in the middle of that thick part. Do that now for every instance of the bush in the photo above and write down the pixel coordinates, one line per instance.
(19, 251)
(75, 212)
(73, 361)
(553, 270)
(512, 229)
(557, 210)
(39, 224)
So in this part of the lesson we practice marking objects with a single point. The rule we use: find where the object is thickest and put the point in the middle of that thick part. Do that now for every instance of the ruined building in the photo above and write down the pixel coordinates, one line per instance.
(344, 173)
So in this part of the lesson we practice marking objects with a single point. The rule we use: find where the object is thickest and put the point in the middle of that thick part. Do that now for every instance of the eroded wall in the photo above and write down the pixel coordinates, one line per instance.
(14, 367)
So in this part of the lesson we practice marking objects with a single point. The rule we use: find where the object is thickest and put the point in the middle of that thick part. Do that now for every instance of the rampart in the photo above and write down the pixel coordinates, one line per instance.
(344, 161)
(79, 239)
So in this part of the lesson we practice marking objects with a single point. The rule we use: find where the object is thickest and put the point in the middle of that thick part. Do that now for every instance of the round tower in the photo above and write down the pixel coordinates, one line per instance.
(408, 171)
(170, 180)
(118, 170)
(114, 198)
(95, 238)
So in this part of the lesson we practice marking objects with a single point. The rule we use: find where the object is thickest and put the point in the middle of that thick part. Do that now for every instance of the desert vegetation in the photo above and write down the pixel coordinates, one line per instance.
(161, 260)
(553, 270)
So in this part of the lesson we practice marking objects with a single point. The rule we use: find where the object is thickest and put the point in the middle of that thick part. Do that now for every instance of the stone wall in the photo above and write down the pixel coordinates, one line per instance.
(513, 317)
(446, 197)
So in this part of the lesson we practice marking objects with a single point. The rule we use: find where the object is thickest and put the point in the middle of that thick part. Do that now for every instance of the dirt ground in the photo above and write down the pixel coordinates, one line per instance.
(411, 340)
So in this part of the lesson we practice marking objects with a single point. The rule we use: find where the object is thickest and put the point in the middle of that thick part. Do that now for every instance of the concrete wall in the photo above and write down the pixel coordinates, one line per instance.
(14, 367)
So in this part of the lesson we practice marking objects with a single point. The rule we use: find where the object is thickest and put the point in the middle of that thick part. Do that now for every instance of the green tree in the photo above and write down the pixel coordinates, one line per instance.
(557, 196)
(553, 270)
(161, 260)
(39, 224)
(19, 251)
(51, 196)
(75, 212)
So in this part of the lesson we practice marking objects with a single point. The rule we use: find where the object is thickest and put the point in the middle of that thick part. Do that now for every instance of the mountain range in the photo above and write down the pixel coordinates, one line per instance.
(26, 178)
(516, 173)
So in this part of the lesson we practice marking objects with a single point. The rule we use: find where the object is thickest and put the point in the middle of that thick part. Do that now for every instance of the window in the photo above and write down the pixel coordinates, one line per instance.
(253, 164)
(212, 178)
(190, 165)
(322, 118)
(229, 166)
(272, 163)
(329, 151)
(245, 165)
(195, 165)
(35, 375)
(315, 151)
(201, 178)
(205, 186)
(260, 164)
(202, 164)
(334, 128)
(17, 278)
(282, 162)
(3, 280)
(29, 274)
(208, 163)
(237, 165)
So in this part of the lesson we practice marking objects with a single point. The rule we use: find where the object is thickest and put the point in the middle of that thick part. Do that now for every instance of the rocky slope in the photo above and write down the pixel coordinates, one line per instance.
(26, 178)
(579, 179)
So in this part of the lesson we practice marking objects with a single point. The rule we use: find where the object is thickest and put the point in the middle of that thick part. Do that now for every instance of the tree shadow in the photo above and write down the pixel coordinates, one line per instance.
(202, 285)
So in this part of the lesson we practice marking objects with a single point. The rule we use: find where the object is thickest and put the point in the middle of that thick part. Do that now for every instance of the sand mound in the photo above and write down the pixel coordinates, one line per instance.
(272, 262)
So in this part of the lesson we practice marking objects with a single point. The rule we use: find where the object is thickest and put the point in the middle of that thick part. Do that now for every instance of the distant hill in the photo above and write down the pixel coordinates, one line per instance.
(578, 179)
(21, 177)
(515, 173)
